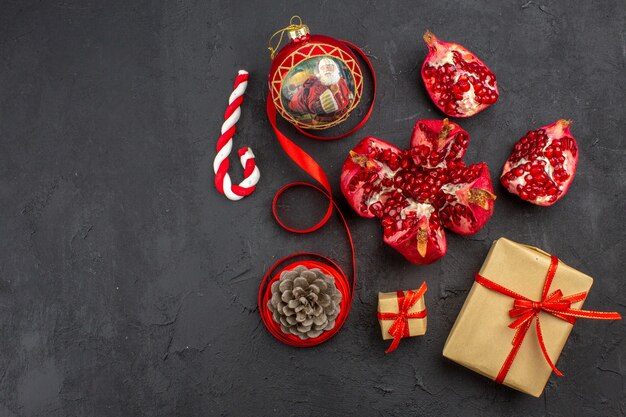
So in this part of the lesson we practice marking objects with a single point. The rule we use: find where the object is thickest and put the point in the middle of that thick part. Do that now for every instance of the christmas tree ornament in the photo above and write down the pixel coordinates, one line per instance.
(315, 82)
(543, 163)
(457, 81)
(224, 147)
(305, 302)
(417, 192)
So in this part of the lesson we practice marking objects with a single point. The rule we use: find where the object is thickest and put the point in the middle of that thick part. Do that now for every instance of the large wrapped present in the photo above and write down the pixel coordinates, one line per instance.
(518, 316)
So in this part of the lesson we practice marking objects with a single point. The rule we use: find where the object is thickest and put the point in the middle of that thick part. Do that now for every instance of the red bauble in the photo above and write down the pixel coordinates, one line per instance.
(315, 81)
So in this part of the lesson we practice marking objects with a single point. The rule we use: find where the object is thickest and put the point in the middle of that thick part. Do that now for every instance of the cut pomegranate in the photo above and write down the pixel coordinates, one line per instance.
(458, 82)
(417, 192)
(543, 163)
(438, 143)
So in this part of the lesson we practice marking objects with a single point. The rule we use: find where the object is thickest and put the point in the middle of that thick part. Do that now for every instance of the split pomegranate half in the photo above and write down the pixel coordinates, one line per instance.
(459, 83)
(543, 163)
(417, 192)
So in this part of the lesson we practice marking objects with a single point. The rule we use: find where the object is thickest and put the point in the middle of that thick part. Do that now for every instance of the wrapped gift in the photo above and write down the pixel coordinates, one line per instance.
(402, 314)
(518, 315)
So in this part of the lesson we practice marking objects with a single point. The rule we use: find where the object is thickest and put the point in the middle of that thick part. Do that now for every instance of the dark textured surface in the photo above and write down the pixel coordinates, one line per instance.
(128, 284)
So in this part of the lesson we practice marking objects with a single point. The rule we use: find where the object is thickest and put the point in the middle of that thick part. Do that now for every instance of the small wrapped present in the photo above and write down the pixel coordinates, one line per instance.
(518, 315)
(402, 314)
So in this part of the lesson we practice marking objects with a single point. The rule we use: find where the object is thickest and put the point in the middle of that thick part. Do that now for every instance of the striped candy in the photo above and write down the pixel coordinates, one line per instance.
(224, 146)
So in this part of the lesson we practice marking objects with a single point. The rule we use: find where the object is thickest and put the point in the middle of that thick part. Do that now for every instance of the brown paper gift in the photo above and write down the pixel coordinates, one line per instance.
(402, 314)
(481, 339)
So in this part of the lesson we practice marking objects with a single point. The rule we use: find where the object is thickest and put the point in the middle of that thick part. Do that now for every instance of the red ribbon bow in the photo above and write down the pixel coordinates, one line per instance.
(526, 310)
(400, 326)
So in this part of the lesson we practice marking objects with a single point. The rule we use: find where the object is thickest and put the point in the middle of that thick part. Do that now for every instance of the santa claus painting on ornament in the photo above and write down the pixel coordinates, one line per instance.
(318, 91)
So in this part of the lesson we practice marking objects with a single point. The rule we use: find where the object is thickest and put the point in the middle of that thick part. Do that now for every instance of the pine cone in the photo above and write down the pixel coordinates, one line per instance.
(305, 302)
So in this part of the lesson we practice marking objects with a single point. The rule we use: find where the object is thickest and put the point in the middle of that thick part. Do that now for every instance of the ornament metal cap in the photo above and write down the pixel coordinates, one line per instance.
(299, 32)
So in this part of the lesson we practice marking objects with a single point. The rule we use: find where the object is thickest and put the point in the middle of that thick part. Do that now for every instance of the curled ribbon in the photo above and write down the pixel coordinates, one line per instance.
(313, 169)
(526, 310)
(400, 326)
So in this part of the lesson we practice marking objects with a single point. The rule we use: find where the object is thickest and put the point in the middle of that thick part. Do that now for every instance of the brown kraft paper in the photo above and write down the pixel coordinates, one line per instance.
(481, 339)
(388, 303)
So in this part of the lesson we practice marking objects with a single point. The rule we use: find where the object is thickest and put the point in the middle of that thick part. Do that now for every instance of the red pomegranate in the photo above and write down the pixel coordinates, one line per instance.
(417, 192)
(459, 83)
(543, 163)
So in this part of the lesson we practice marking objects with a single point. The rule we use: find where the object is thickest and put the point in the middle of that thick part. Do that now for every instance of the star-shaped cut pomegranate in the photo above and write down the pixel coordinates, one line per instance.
(419, 191)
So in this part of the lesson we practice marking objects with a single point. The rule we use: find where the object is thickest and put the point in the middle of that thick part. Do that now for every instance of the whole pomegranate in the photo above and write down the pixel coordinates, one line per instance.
(543, 163)
(417, 192)
(458, 82)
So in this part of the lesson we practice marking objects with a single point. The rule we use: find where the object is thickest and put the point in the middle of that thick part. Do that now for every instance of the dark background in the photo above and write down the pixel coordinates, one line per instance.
(128, 284)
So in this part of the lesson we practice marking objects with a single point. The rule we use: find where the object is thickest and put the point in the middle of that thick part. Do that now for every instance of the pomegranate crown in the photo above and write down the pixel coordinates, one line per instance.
(565, 123)
(430, 38)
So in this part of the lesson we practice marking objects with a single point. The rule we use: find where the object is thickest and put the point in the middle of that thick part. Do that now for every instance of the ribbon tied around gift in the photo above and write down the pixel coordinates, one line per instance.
(400, 326)
(525, 310)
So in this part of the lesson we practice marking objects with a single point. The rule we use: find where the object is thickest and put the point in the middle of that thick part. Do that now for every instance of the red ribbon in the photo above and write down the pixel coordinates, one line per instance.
(526, 310)
(311, 167)
(400, 327)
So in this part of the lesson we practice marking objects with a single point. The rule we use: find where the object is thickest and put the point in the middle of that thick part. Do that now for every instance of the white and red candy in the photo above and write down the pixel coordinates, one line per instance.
(224, 147)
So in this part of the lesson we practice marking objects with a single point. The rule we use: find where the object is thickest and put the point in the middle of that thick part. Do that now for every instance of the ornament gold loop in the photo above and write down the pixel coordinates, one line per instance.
(295, 30)
(293, 18)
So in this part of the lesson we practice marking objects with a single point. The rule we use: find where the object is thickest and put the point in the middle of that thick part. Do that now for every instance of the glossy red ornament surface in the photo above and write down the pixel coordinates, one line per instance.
(315, 82)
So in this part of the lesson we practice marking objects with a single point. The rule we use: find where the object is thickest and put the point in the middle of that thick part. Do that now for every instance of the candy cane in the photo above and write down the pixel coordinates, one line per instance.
(225, 146)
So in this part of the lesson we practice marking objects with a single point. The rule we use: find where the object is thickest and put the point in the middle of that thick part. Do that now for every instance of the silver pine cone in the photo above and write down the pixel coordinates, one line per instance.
(305, 302)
